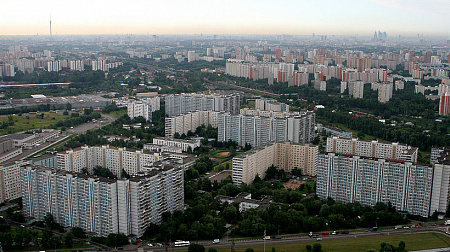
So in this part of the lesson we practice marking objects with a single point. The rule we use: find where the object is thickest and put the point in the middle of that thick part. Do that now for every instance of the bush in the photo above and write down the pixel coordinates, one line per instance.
(196, 248)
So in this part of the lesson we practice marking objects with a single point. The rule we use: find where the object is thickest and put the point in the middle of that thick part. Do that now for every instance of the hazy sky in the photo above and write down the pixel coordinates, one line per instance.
(405, 17)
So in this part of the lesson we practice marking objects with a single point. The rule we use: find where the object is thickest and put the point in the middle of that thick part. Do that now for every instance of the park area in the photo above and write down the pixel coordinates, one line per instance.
(413, 242)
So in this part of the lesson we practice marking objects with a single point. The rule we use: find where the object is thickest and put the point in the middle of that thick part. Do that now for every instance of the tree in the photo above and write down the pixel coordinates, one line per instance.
(116, 240)
(249, 250)
(308, 248)
(196, 248)
(68, 239)
(212, 250)
(49, 221)
(401, 246)
(68, 106)
(317, 247)
(66, 112)
(78, 232)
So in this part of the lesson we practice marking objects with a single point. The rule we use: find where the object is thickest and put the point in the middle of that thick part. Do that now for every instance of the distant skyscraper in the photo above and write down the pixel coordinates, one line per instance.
(278, 54)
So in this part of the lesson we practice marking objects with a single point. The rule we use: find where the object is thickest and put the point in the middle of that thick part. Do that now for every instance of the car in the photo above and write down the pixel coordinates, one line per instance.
(216, 241)
(319, 239)
(22, 226)
(366, 230)
(406, 227)
(150, 245)
(314, 236)
(120, 248)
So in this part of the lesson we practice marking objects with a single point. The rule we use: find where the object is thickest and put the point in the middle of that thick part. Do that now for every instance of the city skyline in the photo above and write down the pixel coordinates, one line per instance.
(327, 17)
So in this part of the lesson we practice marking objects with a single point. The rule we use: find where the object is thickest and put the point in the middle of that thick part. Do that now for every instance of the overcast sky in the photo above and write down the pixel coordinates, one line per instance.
(404, 17)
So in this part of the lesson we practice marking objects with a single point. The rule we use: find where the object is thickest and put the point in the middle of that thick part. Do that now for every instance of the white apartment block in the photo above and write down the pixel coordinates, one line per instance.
(374, 149)
(76, 65)
(189, 122)
(264, 113)
(139, 108)
(10, 187)
(183, 144)
(253, 162)
(413, 188)
(271, 105)
(384, 91)
(115, 159)
(102, 205)
(184, 103)
(154, 102)
(258, 130)
(286, 156)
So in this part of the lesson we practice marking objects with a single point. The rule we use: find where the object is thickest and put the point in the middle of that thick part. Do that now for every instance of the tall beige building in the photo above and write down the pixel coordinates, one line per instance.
(286, 156)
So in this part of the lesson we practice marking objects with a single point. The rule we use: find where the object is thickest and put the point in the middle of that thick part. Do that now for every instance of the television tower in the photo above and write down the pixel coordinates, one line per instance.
(50, 26)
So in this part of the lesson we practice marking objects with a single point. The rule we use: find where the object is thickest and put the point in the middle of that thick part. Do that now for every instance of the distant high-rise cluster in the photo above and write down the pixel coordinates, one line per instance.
(380, 35)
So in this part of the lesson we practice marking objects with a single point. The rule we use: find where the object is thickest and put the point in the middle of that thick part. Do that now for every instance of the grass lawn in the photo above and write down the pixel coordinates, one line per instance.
(118, 113)
(413, 242)
(29, 122)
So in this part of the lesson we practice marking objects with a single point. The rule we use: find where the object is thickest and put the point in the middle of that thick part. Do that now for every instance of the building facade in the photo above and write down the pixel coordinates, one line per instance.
(139, 108)
(184, 103)
(184, 123)
(408, 187)
(286, 156)
(259, 130)
(115, 159)
(102, 205)
(374, 149)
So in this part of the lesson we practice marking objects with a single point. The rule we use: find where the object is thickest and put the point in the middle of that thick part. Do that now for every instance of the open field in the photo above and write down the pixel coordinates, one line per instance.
(29, 122)
(413, 242)
(118, 113)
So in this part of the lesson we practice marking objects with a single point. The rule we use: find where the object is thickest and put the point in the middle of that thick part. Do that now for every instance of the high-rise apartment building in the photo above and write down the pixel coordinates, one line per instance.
(286, 156)
(139, 108)
(373, 149)
(185, 103)
(444, 105)
(271, 105)
(385, 92)
(259, 130)
(102, 205)
(10, 186)
(408, 187)
(184, 123)
(115, 159)
(76, 65)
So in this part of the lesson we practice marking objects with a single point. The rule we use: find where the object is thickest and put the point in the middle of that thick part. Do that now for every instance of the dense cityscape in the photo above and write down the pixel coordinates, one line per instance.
(224, 142)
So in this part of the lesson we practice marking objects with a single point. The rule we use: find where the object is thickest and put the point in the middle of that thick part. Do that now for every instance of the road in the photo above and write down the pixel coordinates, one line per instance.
(269, 243)
(81, 129)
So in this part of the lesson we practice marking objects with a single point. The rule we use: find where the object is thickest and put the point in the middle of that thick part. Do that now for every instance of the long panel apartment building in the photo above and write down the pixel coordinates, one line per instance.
(260, 130)
(286, 156)
(410, 187)
(374, 149)
(184, 123)
(184, 103)
(115, 159)
(102, 205)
